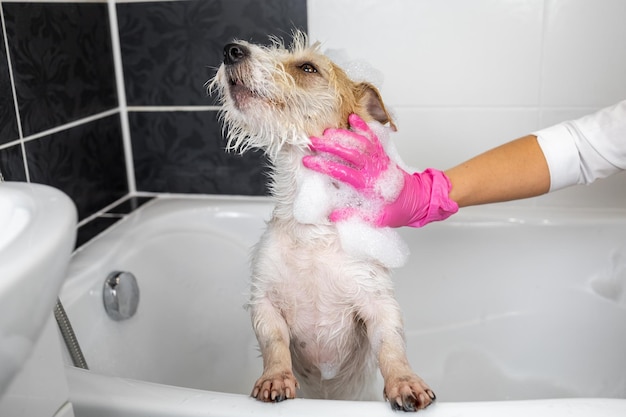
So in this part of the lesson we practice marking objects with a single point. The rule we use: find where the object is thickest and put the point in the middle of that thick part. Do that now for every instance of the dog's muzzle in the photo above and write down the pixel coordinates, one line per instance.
(235, 53)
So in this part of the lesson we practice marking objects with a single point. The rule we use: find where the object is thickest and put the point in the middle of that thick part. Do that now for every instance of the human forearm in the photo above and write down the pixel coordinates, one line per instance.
(512, 171)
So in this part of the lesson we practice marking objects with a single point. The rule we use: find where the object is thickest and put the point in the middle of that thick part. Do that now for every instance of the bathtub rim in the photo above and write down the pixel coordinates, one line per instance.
(100, 395)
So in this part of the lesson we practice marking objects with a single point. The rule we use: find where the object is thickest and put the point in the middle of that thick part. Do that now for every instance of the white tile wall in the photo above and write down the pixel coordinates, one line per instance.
(444, 136)
(462, 76)
(584, 60)
(439, 52)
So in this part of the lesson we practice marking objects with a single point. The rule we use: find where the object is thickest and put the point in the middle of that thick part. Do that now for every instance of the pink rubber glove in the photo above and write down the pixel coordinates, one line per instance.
(357, 158)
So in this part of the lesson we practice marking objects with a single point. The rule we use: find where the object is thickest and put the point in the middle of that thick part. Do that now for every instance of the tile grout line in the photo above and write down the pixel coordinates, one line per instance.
(173, 108)
(103, 210)
(70, 125)
(104, 114)
(121, 96)
(542, 60)
(18, 120)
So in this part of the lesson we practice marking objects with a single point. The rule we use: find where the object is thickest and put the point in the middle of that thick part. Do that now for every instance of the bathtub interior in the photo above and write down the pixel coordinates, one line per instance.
(501, 307)
(496, 307)
(192, 269)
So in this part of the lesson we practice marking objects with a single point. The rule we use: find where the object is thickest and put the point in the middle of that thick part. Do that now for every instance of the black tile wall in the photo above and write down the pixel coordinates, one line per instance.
(171, 49)
(86, 162)
(8, 122)
(93, 228)
(183, 152)
(12, 163)
(61, 58)
(108, 218)
(62, 62)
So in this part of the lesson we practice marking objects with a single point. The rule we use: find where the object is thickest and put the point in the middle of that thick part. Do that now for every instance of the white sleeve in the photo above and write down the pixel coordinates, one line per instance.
(583, 150)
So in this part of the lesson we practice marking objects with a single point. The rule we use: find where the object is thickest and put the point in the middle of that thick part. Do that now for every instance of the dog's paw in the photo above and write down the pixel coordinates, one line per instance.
(275, 387)
(408, 393)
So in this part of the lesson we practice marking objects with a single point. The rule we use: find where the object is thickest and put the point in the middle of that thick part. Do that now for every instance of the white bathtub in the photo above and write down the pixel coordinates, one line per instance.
(508, 311)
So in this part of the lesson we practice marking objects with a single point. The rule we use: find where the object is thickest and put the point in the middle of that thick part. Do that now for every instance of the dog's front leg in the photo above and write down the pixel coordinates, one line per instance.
(277, 382)
(403, 388)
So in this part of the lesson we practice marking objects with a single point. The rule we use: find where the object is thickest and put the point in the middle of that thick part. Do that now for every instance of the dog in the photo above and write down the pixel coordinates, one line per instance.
(324, 320)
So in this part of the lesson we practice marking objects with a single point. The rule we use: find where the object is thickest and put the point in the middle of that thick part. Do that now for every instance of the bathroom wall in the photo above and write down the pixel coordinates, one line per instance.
(465, 75)
(58, 116)
(169, 51)
(103, 105)
(102, 121)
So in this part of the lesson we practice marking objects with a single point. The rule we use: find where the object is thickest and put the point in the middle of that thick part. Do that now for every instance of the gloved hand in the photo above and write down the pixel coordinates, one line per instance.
(356, 157)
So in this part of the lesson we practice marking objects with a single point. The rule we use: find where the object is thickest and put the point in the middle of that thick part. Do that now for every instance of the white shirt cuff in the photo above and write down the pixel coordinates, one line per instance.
(561, 155)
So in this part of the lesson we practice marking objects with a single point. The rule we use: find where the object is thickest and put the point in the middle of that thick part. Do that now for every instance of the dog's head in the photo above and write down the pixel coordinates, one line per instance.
(276, 96)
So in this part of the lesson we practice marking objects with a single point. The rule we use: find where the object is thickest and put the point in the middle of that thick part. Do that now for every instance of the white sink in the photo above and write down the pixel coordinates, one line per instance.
(37, 234)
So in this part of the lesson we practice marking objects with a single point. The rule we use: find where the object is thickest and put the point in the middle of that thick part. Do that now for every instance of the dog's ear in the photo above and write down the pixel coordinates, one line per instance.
(371, 102)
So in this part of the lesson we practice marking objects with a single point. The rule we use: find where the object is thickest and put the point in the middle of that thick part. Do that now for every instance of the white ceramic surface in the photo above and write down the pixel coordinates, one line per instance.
(500, 304)
(96, 395)
(37, 233)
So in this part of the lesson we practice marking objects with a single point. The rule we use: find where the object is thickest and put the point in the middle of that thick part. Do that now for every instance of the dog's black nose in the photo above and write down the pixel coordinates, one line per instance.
(234, 52)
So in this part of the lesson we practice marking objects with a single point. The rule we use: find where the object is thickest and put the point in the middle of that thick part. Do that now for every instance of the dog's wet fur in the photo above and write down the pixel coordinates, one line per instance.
(323, 319)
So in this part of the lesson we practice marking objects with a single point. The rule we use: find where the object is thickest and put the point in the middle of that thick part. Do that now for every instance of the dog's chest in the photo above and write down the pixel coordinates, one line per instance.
(316, 285)
(320, 307)
(318, 288)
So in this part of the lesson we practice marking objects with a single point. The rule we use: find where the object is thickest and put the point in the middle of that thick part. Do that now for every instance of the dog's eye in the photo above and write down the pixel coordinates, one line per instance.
(308, 68)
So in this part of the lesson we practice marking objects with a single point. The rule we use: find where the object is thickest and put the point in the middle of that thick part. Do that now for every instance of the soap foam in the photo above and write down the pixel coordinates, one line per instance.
(318, 195)
(313, 200)
(363, 241)
(328, 370)
(356, 70)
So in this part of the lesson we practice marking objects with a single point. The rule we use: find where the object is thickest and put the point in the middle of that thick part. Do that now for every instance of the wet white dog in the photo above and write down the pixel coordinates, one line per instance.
(319, 313)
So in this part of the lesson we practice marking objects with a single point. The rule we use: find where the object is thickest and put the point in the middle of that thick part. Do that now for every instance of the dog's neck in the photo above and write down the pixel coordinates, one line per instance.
(285, 171)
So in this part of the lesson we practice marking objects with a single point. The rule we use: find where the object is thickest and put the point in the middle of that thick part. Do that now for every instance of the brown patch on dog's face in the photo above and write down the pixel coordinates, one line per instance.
(274, 96)
(306, 72)
(317, 72)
